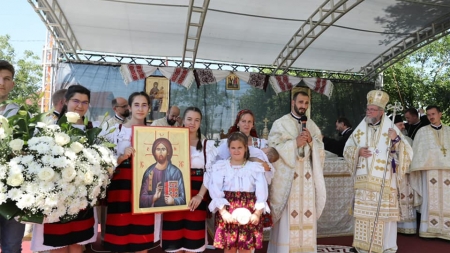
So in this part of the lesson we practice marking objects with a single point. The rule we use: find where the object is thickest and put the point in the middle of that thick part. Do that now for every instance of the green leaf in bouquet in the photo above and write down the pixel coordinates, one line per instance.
(40, 117)
(9, 209)
(92, 134)
(33, 218)
(108, 144)
(86, 121)
(62, 121)
(22, 112)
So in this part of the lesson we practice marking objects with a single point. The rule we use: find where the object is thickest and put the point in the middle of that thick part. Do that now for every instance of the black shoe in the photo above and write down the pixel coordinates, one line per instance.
(353, 249)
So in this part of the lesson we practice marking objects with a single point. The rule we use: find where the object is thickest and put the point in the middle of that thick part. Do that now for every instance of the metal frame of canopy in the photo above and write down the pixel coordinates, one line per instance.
(311, 29)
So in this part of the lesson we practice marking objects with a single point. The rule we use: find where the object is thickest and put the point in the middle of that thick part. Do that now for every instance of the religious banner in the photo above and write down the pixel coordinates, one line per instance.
(158, 88)
(161, 169)
(232, 82)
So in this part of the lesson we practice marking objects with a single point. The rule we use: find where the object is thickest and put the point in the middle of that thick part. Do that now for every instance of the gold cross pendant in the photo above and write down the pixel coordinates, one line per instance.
(444, 151)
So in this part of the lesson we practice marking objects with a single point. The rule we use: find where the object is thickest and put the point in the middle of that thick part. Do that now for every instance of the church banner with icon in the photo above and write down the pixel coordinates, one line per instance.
(161, 169)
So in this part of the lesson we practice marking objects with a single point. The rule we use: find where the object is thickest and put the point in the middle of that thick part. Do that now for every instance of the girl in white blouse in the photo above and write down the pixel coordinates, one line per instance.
(239, 193)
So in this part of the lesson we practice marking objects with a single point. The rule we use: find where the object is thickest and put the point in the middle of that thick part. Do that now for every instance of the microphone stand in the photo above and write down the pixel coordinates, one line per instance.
(395, 107)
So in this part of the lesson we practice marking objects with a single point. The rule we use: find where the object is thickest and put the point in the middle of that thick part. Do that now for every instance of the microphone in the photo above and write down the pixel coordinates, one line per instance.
(303, 119)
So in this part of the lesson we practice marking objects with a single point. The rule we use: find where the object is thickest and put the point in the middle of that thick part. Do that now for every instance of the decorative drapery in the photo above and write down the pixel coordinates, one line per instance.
(185, 77)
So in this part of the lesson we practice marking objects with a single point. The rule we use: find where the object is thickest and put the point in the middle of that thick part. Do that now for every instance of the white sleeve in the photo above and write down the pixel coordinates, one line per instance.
(216, 181)
(211, 155)
(222, 150)
(261, 188)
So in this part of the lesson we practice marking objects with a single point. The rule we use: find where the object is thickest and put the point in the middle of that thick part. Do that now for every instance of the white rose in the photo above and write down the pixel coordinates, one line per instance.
(88, 178)
(72, 117)
(62, 139)
(2, 134)
(68, 174)
(46, 174)
(16, 144)
(4, 124)
(15, 179)
(76, 147)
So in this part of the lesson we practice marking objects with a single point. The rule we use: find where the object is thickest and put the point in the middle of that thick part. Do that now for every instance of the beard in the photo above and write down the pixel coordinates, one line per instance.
(370, 120)
(171, 122)
(298, 112)
(404, 132)
(160, 159)
(125, 114)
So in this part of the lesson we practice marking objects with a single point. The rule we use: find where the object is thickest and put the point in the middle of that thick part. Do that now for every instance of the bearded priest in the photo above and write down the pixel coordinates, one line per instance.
(377, 145)
(430, 176)
(297, 193)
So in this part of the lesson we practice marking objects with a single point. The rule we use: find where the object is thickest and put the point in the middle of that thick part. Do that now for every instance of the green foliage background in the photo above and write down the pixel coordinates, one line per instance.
(28, 76)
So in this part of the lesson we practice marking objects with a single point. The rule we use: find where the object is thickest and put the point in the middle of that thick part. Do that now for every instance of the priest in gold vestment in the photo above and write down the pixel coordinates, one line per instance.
(430, 176)
(297, 193)
(376, 145)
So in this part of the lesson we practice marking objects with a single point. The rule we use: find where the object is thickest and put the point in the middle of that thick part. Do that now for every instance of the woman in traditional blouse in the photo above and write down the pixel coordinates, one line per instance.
(185, 231)
(69, 236)
(126, 232)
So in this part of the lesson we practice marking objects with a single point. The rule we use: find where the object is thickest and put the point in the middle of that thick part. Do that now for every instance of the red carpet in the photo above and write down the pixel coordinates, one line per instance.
(406, 244)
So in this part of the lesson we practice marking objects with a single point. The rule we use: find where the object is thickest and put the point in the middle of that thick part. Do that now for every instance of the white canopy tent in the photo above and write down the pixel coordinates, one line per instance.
(340, 36)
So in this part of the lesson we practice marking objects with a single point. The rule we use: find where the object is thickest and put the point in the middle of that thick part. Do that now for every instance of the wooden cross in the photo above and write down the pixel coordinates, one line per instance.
(265, 122)
(444, 151)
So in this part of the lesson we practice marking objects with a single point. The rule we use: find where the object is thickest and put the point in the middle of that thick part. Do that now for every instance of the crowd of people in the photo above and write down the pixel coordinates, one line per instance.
(244, 179)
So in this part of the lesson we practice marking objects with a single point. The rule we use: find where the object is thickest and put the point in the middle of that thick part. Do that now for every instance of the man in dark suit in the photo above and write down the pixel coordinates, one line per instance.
(344, 128)
(414, 122)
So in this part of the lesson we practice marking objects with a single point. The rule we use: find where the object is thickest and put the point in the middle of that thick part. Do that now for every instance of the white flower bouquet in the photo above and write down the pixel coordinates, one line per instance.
(51, 171)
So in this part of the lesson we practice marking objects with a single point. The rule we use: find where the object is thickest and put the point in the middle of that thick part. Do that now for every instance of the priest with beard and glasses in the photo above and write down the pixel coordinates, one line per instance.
(297, 193)
(430, 176)
(121, 111)
(172, 119)
(375, 146)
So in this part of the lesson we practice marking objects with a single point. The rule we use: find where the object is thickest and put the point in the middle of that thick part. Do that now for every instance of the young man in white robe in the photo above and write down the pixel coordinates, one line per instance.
(297, 193)
(377, 145)
(430, 176)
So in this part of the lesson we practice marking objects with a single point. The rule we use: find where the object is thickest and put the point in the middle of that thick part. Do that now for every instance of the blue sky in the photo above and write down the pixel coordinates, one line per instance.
(21, 22)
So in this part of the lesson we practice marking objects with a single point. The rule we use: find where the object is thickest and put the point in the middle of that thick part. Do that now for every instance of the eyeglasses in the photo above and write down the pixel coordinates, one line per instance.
(371, 110)
(122, 106)
(78, 102)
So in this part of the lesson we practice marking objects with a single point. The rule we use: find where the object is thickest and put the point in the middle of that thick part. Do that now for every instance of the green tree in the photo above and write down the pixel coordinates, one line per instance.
(27, 77)
(422, 78)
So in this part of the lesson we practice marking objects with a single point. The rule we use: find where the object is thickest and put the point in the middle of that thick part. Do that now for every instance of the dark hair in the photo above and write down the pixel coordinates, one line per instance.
(345, 121)
(412, 111)
(238, 136)
(199, 132)
(301, 93)
(76, 88)
(433, 107)
(234, 128)
(135, 94)
(166, 144)
(58, 95)
(7, 66)
(114, 102)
